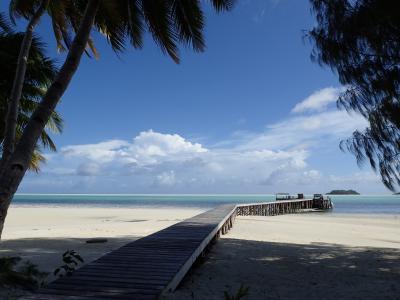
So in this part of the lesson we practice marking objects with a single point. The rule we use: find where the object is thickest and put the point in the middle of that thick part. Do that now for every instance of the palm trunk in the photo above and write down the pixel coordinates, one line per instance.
(15, 95)
(19, 161)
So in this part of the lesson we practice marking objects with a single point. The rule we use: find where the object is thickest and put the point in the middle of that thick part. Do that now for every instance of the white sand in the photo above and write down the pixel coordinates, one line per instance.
(41, 234)
(305, 256)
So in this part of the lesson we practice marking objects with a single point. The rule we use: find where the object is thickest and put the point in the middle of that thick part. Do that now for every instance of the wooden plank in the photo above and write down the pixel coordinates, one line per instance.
(146, 267)
(156, 264)
(225, 212)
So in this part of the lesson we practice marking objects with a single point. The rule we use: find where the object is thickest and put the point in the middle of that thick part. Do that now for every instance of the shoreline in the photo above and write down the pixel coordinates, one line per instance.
(97, 205)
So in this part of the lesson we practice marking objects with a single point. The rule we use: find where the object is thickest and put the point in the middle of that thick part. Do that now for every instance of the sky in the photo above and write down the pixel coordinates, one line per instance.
(252, 114)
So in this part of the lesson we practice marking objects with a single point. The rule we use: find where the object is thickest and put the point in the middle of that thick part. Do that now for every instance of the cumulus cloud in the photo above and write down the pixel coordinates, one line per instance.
(318, 101)
(104, 151)
(276, 158)
(146, 148)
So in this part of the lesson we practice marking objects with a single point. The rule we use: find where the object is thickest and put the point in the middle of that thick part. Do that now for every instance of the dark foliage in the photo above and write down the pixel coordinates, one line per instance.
(14, 274)
(170, 22)
(40, 72)
(360, 42)
(241, 293)
(71, 260)
(5, 26)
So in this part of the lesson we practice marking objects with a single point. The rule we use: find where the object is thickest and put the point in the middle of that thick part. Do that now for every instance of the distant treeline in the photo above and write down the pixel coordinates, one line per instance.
(343, 192)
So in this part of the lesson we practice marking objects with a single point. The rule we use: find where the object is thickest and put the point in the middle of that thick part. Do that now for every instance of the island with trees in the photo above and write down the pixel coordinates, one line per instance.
(343, 192)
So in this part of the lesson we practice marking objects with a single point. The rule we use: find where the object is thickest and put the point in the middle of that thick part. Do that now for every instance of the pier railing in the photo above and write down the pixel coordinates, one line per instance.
(282, 207)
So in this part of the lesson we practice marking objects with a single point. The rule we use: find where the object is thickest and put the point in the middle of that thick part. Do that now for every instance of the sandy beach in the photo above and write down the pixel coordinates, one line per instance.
(304, 256)
(42, 233)
(313, 256)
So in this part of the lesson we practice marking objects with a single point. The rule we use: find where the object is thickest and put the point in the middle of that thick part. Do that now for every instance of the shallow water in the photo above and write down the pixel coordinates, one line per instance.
(374, 204)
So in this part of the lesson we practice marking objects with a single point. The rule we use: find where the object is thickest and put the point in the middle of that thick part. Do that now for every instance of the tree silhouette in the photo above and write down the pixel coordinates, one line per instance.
(360, 41)
(39, 75)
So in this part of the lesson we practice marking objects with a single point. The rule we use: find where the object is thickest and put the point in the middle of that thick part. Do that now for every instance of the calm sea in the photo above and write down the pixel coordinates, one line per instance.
(387, 204)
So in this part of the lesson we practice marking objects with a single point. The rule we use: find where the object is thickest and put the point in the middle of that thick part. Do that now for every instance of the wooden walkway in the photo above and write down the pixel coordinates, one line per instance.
(155, 264)
(144, 268)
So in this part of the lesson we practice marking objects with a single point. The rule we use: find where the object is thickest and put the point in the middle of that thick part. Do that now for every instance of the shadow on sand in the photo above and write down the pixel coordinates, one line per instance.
(292, 271)
(271, 270)
(47, 252)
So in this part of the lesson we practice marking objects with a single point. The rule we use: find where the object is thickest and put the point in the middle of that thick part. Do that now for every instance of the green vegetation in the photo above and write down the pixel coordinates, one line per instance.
(24, 275)
(71, 261)
(343, 192)
(241, 293)
(39, 74)
(14, 274)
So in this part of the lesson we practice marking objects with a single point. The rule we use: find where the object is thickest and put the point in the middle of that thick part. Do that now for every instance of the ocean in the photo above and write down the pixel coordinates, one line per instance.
(360, 204)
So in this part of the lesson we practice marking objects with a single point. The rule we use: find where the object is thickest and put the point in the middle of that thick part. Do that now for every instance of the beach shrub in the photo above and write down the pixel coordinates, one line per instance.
(25, 275)
(242, 292)
(71, 261)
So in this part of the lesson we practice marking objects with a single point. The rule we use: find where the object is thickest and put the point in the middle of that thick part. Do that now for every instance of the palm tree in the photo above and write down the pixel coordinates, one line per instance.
(39, 75)
(170, 22)
(63, 13)
(15, 94)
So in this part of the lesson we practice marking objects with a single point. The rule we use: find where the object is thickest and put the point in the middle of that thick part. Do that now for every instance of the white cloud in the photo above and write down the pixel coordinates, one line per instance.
(276, 159)
(318, 101)
(166, 178)
(146, 148)
(307, 131)
(150, 146)
(88, 169)
(104, 151)
(154, 160)
(354, 179)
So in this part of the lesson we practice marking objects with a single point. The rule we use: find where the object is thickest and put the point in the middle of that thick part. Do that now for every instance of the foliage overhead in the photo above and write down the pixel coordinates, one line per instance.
(360, 41)
(170, 22)
(40, 73)
(5, 26)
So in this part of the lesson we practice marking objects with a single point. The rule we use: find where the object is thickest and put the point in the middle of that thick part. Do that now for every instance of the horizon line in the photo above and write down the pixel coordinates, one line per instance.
(166, 194)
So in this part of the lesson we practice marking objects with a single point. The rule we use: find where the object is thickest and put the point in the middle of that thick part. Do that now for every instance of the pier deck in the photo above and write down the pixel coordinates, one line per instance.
(155, 264)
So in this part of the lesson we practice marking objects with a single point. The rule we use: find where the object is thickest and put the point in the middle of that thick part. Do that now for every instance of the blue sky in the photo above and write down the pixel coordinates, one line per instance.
(252, 114)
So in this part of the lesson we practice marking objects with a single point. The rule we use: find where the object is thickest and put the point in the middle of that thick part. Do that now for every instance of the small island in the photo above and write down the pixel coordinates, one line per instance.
(343, 192)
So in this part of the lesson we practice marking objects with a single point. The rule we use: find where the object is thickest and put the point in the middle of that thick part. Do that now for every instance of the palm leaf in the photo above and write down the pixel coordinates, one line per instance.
(189, 22)
(157, 14)
(5, 26)
(40, 73)
(221, 5)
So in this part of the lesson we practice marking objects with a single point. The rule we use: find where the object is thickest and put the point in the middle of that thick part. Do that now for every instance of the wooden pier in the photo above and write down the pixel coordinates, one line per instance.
(282, 207)
(156, 264)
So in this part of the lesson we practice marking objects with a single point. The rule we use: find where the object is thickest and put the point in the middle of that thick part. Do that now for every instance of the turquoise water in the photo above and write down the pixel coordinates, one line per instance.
(386, 204)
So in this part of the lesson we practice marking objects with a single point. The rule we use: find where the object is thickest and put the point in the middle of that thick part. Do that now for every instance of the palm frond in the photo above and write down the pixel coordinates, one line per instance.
(22, 8)
(157, 14)
(135, 23)
(189, 22)
(39, 74)
(37, 160)
(5, 26)
(221, 5)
